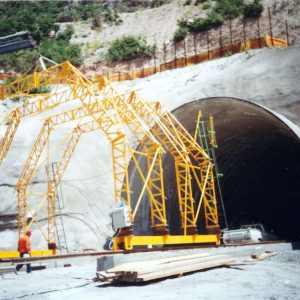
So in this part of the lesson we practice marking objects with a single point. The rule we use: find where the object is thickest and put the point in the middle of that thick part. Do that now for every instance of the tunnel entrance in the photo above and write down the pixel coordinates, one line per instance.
(259, 156)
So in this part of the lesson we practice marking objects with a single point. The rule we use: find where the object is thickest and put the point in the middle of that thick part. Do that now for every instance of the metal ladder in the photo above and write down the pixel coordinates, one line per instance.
(207, 140)
(60, 229)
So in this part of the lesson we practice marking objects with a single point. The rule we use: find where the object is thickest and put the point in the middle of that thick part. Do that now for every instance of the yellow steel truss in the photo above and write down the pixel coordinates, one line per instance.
(153, 126)
(62, 73)
(190, 160)
(31, 163)
(12, 127)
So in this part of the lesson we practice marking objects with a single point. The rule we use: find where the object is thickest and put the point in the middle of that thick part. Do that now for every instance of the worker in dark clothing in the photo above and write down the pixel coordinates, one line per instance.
(24, 248)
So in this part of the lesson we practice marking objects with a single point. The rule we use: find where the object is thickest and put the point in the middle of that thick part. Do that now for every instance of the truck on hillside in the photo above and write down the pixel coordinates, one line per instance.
(252, 233)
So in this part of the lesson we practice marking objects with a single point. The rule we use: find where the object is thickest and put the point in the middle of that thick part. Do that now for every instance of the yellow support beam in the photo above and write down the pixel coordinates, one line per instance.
(16, 254)
(128, 242)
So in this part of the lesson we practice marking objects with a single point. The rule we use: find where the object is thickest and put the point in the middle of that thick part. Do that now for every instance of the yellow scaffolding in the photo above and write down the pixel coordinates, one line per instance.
(155, 128)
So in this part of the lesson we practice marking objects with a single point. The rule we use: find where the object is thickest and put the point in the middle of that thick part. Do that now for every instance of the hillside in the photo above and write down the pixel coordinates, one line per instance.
(83, 32)
(158, 25)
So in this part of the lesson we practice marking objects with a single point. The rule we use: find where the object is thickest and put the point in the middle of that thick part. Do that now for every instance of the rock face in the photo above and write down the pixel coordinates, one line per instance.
(268, 77)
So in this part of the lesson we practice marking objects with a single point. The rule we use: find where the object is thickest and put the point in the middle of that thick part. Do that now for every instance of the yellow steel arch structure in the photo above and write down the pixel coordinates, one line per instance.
(190, 159)
(42, 104)
(161, 128)
(58, 74)
(158, 206)
(158, 212)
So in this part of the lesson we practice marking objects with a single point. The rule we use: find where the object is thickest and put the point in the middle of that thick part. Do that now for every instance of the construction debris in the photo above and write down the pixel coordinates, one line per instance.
(263, 256)
(141, 271)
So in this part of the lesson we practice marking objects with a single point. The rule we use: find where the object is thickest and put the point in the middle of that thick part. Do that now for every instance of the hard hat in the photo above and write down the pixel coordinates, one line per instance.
(28, 233)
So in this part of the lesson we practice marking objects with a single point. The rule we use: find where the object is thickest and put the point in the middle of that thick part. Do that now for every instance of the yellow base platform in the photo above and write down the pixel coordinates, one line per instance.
(128, 242)
(15, 254)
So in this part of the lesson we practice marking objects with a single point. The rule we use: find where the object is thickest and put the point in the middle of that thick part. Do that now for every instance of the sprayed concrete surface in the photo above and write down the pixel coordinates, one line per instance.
(275, 278)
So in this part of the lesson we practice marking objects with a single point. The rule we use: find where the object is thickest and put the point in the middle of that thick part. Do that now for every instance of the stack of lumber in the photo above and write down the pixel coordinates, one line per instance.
(155, 269)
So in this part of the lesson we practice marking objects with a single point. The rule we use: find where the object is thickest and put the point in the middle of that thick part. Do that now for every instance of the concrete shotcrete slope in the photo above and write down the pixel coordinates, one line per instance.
(268, 77)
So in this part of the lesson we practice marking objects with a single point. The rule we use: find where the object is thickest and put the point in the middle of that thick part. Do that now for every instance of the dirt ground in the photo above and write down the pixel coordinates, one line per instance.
(275, 278)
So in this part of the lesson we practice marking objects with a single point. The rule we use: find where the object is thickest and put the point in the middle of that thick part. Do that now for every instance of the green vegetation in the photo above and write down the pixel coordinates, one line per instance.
(128, 47)
(222, 10)
(188, 2)
(10, 79)
(229, 9)
(180, 34)
(40, 17)
(60, 49)
(18, 99)
(206, 6)
(20, 61)
(157, 3)
(43, 89)
(253, 10)
(213, 19)
(197, 2)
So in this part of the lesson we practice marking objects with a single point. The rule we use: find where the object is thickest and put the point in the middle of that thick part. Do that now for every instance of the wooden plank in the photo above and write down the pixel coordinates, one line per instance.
(160, 268)
(7, 270)
(262, 256)
(136, 264)
(176, 264)
(104, 276)
(178, 271)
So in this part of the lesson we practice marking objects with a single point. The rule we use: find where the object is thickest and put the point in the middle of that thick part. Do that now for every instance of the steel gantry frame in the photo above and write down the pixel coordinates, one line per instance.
(36, 152)
(158, 216)
(190, 160)
(155, 128)
(40, 143)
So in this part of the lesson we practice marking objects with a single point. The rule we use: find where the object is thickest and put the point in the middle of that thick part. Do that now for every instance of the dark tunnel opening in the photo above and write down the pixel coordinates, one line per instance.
(259, 156)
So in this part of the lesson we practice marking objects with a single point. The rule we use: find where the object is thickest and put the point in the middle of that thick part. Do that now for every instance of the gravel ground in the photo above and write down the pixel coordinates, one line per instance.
(275, 278)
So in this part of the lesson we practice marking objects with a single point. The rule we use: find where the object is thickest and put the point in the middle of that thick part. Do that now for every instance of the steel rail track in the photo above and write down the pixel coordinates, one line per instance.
(137, 250)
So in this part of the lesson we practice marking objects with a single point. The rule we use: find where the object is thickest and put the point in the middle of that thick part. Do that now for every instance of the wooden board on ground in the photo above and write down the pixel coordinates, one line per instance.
(136, 264)
(156, 269)
(262, 256)
(4, 270)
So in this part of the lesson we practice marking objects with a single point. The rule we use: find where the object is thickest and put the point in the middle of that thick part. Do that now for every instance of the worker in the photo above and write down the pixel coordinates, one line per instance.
(24, 248)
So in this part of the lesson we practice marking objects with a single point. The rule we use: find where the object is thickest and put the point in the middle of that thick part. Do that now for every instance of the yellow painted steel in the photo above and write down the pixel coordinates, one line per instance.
(12, 127)
(202, 160)
(57, 74)
(31, 108)
(211, 132)
(185, 151)
(128, 242)
(197, 125)
(16, 254)
(37, 150)
(156, 129)
(55, 178)
(119, 157)
(147, 114)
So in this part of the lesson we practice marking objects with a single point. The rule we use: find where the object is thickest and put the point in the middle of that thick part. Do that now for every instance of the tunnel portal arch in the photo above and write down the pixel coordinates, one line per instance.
(259, 155)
